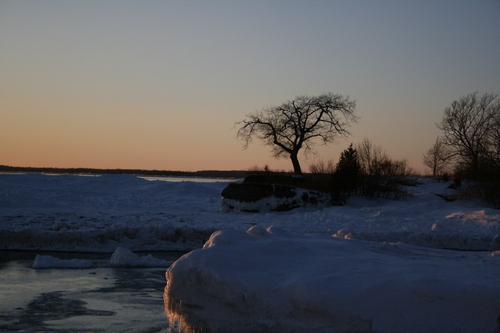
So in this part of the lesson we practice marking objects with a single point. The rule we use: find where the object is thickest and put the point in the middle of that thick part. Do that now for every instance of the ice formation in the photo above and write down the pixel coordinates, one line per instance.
(46, 261)
(123, 257)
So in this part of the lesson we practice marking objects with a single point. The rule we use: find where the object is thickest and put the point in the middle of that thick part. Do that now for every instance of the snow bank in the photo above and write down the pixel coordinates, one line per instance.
(43, 261)
(123, 257)
(274, 281)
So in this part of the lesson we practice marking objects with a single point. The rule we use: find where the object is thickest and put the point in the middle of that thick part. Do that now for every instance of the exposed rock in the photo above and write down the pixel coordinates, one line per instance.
(255, 197)
(247, 192)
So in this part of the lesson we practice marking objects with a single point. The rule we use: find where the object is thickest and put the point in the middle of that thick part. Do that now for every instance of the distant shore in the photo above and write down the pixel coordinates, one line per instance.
(202, 173)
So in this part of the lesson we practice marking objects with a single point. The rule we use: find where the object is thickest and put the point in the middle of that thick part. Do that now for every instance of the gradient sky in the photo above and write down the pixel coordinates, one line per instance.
(160, 84)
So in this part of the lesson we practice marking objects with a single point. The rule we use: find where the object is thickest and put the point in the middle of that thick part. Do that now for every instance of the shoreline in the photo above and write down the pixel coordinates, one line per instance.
(201, 173)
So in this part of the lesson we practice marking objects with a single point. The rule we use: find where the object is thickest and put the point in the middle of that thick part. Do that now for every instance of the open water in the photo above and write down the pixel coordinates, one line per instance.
(99, 299)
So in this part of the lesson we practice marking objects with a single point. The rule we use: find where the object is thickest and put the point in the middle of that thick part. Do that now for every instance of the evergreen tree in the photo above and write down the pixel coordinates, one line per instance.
(347, 174)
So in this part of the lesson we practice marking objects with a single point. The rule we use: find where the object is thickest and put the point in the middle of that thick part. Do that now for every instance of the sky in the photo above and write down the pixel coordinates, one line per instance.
(161, 84)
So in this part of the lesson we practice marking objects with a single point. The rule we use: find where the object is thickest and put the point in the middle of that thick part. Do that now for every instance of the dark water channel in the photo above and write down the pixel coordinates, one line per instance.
(97, 299)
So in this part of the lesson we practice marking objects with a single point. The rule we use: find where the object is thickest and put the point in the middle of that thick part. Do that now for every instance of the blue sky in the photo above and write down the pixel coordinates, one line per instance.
(160, 84)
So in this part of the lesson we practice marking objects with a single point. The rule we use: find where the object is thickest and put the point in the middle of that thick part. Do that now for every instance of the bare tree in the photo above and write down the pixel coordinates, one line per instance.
(493, 148)
(470, 127)
(374, 161)
(370, 156)
(322, 167)
(438, 157)
(300, 123)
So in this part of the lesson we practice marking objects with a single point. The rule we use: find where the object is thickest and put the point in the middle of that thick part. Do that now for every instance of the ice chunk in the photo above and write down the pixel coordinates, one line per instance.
(123, 257)
(44, 261)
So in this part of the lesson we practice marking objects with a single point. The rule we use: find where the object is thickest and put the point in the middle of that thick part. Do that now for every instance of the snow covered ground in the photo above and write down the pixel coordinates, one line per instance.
(100, 214)
(369, 266)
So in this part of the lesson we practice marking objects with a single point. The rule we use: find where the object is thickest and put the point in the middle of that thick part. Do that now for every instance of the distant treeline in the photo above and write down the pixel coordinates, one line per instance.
(203, 173)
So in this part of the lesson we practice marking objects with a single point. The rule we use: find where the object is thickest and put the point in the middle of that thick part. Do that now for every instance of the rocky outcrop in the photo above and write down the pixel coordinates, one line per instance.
(256, 197)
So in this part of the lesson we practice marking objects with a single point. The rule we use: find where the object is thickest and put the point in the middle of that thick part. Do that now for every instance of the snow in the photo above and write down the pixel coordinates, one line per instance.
(100, 214)
(274, 281)
(371, 265)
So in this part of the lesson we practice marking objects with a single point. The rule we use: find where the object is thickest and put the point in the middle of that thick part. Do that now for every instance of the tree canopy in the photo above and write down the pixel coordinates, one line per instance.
(300, 123)
(471, 129)
(438, 157)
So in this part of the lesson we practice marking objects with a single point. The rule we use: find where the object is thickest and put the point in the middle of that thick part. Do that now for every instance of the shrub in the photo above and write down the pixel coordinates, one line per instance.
(485, 192)
(322, 168)
(380, 175)
(370, 173)
(483, 185)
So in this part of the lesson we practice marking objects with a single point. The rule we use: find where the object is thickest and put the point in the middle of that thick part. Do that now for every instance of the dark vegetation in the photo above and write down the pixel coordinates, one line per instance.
(300, 123)
(470, 147)
(372, 174)
(366, 171)
(483, 185)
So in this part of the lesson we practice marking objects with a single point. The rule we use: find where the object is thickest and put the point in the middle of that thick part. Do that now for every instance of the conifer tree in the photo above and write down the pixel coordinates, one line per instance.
(347, 174)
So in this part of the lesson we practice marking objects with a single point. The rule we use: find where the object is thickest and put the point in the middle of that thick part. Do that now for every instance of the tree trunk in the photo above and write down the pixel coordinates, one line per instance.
(296, 165)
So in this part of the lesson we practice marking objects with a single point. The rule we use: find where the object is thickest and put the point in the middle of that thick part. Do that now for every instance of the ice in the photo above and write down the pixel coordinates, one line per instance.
(123, 257)
(45, 261)
(273, 281)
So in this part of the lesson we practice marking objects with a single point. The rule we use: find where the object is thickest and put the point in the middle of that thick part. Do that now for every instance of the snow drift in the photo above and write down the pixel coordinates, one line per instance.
(273, 281)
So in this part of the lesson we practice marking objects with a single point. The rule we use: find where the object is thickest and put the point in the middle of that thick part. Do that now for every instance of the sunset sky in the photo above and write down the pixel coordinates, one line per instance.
(161, 84)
